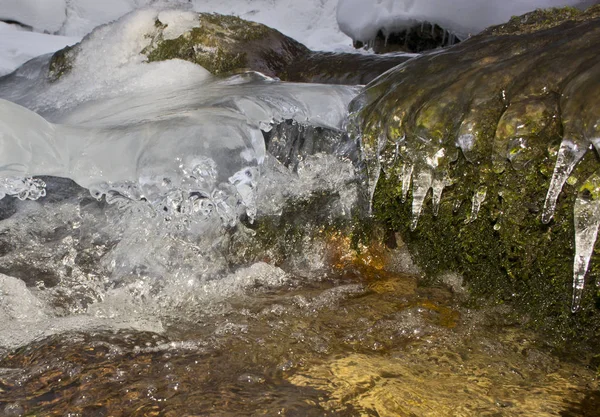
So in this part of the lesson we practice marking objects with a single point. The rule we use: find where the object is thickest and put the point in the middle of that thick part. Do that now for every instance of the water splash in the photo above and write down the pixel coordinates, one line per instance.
(587, 221)
(22, 188)
(569, 154)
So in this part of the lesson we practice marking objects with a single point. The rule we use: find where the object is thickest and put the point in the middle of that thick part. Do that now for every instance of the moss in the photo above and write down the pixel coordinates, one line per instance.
(507, 255)
(227, 44)
(61, 63)
(543, 19)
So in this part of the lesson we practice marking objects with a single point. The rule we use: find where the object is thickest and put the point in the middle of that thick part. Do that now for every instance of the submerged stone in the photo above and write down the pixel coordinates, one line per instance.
(512, 111)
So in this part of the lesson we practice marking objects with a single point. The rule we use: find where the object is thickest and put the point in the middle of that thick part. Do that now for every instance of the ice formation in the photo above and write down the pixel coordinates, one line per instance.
(586, 214)
(362, 19)
(163, 132)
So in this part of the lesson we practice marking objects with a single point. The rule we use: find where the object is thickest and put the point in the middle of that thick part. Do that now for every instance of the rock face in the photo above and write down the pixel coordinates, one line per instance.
(501, 128)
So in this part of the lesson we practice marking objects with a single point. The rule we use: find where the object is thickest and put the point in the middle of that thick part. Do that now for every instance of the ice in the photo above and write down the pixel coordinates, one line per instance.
(478, 200)
(406, 176)
(44, 16)
(586, 215)
(421, 184)
(569, 154)
(437, 186)
(362, 19)
(121, 125)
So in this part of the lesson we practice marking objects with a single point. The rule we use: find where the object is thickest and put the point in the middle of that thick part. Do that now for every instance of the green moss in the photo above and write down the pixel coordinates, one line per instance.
(507, 255)
(200, 47)
(61, 63)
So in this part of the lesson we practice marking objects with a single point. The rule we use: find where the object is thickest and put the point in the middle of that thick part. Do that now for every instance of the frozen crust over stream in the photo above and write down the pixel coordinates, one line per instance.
(166, 132)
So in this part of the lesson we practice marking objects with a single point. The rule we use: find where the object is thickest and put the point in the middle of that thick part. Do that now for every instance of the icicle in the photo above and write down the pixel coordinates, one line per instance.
(456, 206)
(388, 154)
(587, 221)
(421, 185)
(422, 26)
(444, 37)
(372, 159)
(432, 30)
(478, 199)
(406, 176)
(438, 188)
(569, 155)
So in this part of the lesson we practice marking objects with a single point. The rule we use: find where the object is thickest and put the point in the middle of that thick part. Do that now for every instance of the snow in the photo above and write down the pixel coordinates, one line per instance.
(18, 46)
(362, 19)
(311, 22)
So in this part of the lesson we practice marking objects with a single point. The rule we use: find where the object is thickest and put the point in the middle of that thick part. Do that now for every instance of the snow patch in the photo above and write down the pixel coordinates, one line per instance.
(362, 19)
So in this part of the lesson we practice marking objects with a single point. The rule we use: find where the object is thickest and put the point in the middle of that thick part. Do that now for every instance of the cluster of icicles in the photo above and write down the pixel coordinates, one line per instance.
(423, 166)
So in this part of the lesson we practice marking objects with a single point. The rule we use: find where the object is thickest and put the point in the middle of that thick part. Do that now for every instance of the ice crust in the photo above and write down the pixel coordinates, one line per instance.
(165, 132)
(362, 19)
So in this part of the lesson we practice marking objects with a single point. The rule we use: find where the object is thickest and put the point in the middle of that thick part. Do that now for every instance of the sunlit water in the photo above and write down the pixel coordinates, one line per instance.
(355, 344)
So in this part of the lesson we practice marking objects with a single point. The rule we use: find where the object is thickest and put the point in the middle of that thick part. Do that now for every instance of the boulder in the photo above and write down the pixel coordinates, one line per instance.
(502, 128)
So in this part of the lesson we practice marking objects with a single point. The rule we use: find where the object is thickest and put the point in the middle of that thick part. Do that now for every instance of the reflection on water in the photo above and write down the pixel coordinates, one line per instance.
(361, 344)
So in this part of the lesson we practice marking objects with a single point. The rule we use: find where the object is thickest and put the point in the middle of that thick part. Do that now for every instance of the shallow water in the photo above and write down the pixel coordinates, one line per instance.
(362, 342)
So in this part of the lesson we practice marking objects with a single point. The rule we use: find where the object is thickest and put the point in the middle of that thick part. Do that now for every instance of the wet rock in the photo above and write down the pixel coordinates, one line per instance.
(341, 68)
(500, 128)
(227, 44)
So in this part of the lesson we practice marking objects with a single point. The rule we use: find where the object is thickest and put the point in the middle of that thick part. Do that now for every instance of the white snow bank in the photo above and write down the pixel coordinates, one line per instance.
(362, 19)
(311, 22)
(18, 46)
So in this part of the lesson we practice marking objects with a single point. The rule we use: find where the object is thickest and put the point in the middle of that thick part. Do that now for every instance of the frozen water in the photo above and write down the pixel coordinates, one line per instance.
(478, 200)
(311, 22)
(569, 154)
(586, 215)
(153, 131)
(362, 19)
(421, 184)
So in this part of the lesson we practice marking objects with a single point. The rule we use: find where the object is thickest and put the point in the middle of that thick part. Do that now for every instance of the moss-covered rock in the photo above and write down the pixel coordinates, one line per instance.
(227, 44)
(485, 122)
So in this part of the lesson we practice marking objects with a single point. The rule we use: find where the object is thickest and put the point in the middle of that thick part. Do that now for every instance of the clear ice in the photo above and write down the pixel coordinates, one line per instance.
(569, 154)
(478, 199)
(421, 184)
(587, 221)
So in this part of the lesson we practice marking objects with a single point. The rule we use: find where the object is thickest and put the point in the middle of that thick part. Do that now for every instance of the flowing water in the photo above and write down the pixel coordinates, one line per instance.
(173, 244)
